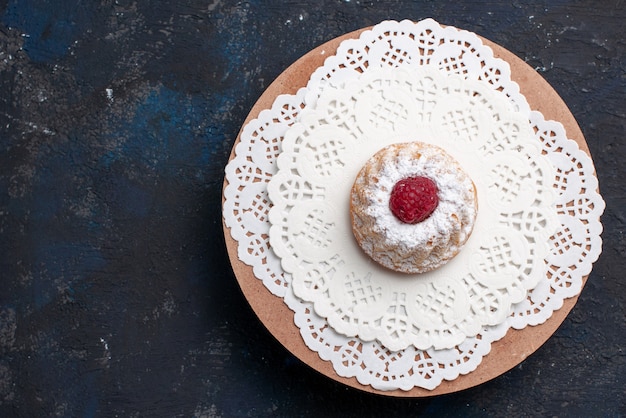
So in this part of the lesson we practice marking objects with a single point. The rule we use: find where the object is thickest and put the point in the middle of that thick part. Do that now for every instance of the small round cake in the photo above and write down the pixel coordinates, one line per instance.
(412, 207)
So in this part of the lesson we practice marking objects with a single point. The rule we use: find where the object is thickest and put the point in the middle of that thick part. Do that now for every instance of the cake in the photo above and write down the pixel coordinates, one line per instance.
(412, 207)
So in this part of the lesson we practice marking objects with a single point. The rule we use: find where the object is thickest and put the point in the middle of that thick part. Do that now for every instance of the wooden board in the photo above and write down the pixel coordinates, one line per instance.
(278, 318)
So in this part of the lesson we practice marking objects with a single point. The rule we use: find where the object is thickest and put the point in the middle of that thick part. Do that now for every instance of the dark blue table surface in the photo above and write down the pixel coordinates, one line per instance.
(116, 121)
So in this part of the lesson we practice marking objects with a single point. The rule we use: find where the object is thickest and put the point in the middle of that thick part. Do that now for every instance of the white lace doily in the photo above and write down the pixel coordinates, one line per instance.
(310, 193)
(411, 45)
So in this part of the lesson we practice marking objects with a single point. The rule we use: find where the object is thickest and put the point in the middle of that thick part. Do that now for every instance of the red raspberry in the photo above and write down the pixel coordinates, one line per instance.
(413, 199)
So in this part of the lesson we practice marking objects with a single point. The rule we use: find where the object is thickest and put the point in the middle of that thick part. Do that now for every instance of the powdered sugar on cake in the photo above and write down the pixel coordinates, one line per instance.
(454, 190)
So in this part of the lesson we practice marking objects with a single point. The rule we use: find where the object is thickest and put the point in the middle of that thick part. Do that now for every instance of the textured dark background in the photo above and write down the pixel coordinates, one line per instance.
(116, 122)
